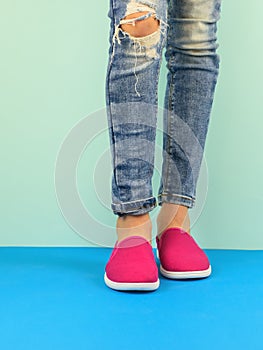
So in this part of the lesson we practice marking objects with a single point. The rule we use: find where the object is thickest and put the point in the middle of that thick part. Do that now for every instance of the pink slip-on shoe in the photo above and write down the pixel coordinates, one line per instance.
(180, 256)
(132, 266)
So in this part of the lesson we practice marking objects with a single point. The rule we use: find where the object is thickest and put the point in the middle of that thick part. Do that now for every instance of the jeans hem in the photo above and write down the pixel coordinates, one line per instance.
(176, 199)
(138, 207)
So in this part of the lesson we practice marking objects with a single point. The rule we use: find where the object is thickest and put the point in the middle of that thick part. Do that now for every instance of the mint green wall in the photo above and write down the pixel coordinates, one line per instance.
(53, 66)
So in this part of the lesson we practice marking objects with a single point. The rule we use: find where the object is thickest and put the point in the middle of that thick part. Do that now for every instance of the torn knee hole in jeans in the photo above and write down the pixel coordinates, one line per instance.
(148, 42)
(144, 14)
(140, 24)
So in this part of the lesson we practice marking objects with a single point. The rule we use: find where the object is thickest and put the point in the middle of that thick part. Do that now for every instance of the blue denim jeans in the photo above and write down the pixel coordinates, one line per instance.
(187, 30)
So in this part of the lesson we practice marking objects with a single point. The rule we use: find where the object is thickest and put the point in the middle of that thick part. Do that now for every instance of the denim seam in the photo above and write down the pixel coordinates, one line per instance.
(168, 131)
(119, 208)
(176, 195)
(162, 42)
(114, 161)
(138, 200)
(176, 199)
(133, 210)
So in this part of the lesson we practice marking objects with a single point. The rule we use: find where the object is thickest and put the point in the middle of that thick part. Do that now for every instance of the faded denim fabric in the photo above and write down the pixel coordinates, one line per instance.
(187, 30)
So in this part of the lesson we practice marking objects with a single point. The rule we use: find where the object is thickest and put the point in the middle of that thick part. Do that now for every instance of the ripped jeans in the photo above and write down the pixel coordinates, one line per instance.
(187, 29)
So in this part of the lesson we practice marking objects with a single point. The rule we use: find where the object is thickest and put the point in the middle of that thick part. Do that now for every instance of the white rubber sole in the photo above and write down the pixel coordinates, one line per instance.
(185, 274)
(131, 286)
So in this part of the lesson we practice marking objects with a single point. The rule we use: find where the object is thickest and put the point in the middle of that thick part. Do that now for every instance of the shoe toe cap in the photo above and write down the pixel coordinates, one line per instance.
(133, 265)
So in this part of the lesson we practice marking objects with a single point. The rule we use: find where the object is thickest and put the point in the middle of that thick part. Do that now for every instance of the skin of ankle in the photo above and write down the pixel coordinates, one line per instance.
(130, 225)
(173, 215)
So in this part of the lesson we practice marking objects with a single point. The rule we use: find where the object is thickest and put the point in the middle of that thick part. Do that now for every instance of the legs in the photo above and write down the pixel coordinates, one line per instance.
(131, 89)
(193, 66)
(131, 100)
(137, 36)
(138, 33)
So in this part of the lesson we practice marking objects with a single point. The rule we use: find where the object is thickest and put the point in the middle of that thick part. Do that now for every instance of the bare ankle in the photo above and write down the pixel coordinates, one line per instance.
(130, 225)
(173, 215)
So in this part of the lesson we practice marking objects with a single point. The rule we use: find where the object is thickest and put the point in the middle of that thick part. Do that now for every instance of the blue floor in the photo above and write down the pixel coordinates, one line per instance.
(55, 298)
